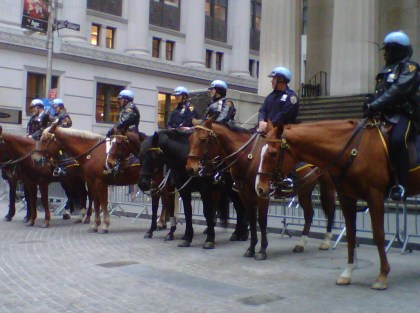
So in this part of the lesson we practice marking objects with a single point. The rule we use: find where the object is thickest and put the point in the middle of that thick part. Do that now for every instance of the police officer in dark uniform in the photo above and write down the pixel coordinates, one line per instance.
(282, 104)
(181, 117)
(395, 100)
(221, 108)
(129, 116)
(62, 117)
(38, 121)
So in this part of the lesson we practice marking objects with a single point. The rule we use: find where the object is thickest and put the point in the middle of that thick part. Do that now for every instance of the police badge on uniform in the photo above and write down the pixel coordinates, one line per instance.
(293, 99)
(411, 68)
(129, 110)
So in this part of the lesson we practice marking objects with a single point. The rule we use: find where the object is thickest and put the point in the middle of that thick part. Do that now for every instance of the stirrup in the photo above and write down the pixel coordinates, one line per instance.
(397, 193)
(287, 185)
(59, 171)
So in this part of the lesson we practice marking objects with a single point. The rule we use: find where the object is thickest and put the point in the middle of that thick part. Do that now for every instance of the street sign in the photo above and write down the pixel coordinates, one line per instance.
(66, 24)
(73, 26)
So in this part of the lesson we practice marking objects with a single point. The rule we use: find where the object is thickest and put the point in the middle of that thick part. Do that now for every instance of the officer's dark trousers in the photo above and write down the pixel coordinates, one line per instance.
(399, 149)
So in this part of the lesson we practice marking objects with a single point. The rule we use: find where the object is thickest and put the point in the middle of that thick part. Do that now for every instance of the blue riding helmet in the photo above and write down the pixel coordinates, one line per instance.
(126, 94)
(397, 38)
(281, 71)
(218, 84)
(180, 90)
(57, 102)
(37, 103)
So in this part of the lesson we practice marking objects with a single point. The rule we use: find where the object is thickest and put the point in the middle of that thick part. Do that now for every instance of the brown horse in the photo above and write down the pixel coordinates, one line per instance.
(122, 146)
(355, 154)
(233, 144)
(89, 150)
(19, 149)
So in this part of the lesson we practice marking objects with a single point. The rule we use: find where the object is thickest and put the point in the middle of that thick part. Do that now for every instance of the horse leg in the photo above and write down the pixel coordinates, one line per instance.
(348, 207)
(262, 222)
(104, 207)
(43, 188)
(376, 210)
(241, 232)
(97, 207)
(89, 208)
(327, 193)
(12, 199)
(189, 231)
(153, 226)
(69, 203)
(168, 201)
(252, 215)
(208, 210)
(305, 201)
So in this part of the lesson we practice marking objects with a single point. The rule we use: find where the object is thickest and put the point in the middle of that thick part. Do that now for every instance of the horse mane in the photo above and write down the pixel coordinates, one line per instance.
(82, 134)
(233, 127)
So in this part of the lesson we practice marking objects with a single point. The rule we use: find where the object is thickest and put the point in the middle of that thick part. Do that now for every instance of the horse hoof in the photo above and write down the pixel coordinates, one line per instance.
(343, 281)
(25, 219)
(148, 235)
(29, 223)
(87, 220)
(260, 256)
(184, 244)
(169, 237)
(208, 245)
(249, 253)
(378, 285)
(324, 246)
(103, 231)
(298, 249)
(45, 225)
(66, 216)
(7, 219)
(79, 220)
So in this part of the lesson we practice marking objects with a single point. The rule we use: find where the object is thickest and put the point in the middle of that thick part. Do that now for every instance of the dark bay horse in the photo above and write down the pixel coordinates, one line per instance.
(89, 150)
(240, 149)
(355, 154)
(122, 146)
(170, 147)
(19, 150)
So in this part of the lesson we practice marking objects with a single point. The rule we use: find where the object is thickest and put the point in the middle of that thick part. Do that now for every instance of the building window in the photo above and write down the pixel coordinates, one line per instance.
(166, 104)
(106, 102)
(219, 60)
(95, 32)
(254, 43)
(110, 37)
(156, 47)
(216, 20)
(209, 54)
(113, 7)
(170, 45)
(35, 88)
(165, 13)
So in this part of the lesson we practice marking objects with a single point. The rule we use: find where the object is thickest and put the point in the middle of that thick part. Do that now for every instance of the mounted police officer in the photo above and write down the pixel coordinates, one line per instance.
(38, 121)
(63, 119)
(395, 100)
(181, 117)
(221, 108)
(129, 116)
(281, 105)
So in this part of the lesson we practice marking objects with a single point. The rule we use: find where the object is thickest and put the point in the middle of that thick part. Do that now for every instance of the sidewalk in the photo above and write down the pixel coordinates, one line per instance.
(67, 269)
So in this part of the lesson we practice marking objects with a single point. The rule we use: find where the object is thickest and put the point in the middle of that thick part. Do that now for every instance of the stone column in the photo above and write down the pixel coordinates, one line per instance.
(75, 12)
(280, 41)
(138, 27)
(239, 30)
(354, 47)
(194, 32)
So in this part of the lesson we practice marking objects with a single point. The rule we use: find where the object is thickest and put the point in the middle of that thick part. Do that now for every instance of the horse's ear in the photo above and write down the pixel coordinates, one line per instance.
(53, 126)
(209, 121)
(155, 139)
(280, 129)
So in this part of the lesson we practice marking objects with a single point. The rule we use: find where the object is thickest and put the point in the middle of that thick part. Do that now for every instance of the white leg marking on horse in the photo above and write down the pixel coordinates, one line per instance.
(303, 241)
(325, 244)
(257, 179)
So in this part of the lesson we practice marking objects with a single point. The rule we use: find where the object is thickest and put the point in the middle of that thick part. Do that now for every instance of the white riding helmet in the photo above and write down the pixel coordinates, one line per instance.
(180, 90)
(57, 102)
(37, 103)
(218, 84)
(126, 94)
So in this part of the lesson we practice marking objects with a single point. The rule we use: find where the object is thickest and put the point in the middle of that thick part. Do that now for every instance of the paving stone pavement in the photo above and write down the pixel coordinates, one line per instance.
(65, 268)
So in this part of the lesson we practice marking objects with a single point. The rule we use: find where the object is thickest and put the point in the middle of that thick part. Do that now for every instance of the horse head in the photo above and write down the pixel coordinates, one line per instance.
(203, 149)
(276, 158)
(151, 162)
(47, 147)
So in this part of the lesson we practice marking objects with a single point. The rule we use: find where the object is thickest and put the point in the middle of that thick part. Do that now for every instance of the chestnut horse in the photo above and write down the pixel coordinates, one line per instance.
(240, 149)
(355, 153)
(124, 144)
(19, 149)
(89, 150)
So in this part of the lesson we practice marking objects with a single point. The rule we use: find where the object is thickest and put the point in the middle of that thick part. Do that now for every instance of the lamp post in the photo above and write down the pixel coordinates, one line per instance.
(50, 38)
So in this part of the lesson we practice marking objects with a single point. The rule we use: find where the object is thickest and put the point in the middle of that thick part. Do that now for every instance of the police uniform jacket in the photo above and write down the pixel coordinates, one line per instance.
(63, 119)
(280, 105)
(129, 118)
(223, 109)
(37, 123)
(396, 88)
(182, 115)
